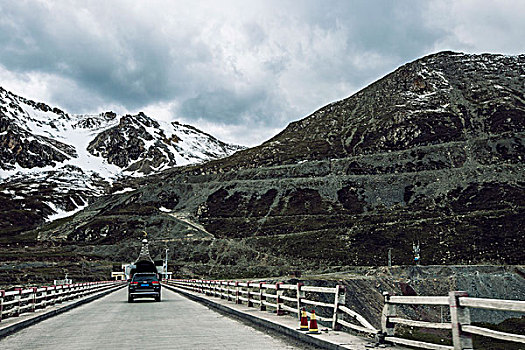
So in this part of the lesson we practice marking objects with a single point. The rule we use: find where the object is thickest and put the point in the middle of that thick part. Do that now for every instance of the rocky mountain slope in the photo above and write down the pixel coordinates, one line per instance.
(52, 163)
(432, 153)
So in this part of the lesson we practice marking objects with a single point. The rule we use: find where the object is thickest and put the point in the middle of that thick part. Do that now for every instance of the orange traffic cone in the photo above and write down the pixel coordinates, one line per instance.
(313, 325)
(304, 321)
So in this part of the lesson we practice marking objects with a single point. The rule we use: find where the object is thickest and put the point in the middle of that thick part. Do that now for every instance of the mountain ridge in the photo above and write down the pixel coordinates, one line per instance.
(432, 153)
(53, 163)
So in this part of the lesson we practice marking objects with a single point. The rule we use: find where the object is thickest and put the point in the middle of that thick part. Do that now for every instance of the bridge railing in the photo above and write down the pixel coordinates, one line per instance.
(285, 298)
(459, 304)
(18, 301)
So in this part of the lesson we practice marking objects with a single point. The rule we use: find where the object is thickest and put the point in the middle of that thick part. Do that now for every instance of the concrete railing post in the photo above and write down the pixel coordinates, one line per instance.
(279, 301)
(229, 290)
(459, 316)
(389, 310)
(249, 289)
(2, 296)
(52, 295)
(59, 294)
(33, 307)
(300, 295)
(262, 298)
(237, 293)
(44, 297)
(18, 302)
(338, 289)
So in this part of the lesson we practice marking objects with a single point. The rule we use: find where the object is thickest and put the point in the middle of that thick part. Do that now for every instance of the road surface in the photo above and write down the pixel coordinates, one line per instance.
(113, 323)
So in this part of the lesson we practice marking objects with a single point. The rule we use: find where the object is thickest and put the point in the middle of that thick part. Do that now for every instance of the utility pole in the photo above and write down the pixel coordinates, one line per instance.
(389, 257)
(166, 265)
(415, 248)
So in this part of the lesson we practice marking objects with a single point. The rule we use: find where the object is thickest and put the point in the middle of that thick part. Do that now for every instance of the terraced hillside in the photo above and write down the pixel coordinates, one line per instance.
(432, 153)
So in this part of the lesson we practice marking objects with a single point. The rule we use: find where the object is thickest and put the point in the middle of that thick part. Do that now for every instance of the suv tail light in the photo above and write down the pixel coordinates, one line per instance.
(155, 282)
(134, 282)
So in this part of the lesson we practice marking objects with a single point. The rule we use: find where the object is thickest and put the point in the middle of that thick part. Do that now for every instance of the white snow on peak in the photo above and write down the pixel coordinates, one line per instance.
(127, 189)
(82, 172)
(186, 144)
(60, 214)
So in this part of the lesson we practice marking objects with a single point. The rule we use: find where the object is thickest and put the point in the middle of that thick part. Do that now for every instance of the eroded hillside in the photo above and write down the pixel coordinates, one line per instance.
(432, 153)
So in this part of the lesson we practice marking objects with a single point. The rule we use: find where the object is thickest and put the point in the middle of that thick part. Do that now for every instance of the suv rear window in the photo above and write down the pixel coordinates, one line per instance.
(148, 278)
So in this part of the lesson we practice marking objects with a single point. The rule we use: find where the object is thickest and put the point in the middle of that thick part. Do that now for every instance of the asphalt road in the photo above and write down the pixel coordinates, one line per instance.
(113, 323)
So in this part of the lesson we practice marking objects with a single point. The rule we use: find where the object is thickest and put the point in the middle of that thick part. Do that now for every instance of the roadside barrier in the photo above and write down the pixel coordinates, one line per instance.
(293, 298)
(459, 304)
(285, 298)
(18, 301)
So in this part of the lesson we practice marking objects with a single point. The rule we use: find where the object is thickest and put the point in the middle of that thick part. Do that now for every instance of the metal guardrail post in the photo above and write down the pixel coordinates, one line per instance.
(300, 295)
(459, 316)
(389, 310)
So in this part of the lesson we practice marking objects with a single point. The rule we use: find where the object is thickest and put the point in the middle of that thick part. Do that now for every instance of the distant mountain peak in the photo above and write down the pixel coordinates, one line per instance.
(44, 143)
(35, 135)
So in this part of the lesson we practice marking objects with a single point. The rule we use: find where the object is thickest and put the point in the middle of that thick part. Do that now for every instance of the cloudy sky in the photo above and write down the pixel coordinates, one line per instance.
(240, 70)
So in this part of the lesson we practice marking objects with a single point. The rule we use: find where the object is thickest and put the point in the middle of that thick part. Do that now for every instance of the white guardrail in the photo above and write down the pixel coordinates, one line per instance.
(285, 298)
(18, 301)
(459, 304)
(293, 297)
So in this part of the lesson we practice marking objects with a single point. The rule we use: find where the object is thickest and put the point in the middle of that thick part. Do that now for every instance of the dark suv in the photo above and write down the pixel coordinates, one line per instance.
(144, 285)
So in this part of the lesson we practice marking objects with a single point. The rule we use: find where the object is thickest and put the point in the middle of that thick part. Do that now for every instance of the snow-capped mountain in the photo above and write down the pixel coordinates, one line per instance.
(35, 137)
(60, 160)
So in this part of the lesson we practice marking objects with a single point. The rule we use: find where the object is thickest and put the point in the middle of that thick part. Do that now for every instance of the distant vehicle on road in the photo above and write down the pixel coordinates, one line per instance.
(144, 285)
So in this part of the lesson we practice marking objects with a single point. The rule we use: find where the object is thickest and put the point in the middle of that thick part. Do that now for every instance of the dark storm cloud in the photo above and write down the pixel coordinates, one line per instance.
(230, 107)
(221, 105)
(123, 61)
(248, 65)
